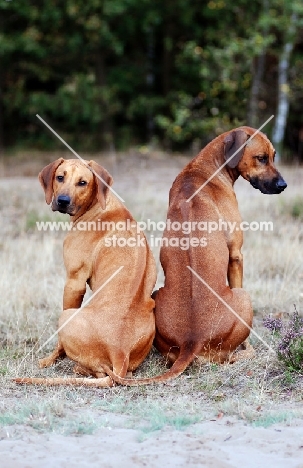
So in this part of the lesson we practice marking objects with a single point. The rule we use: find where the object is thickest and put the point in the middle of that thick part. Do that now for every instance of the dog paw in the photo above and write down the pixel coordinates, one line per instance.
(46, 362)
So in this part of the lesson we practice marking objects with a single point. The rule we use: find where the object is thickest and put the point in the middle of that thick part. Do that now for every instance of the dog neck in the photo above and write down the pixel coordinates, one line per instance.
(231, 174)
(95, 212)
(90, 213)
(209, 163)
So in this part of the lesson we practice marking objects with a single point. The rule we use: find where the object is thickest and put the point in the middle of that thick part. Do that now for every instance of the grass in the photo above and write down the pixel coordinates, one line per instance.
(50, 417)
(32, 217)
(31, 287)
(148, 415)
(270, 420)
(293, 207)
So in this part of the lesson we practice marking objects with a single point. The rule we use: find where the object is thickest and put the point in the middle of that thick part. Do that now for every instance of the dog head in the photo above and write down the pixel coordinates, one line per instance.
(72, 186)
(253, 159)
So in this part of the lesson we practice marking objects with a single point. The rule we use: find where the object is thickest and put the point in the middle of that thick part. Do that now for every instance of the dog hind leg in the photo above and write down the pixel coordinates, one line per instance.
(78, 369)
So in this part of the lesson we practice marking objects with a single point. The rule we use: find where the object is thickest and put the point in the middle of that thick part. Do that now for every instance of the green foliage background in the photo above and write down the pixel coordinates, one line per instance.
(125, 72)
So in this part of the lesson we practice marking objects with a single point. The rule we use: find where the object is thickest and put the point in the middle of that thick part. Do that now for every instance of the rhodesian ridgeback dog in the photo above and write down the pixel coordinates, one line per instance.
(115, 330)
(197, 313)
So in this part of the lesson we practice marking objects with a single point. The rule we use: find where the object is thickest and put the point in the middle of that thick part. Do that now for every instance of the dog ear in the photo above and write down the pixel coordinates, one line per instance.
(103, 182)
(232, 142)
(46, 177)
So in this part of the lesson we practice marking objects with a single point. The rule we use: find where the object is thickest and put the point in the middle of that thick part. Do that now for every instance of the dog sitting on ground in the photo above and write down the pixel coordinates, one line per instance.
(115, 330)
(197, 313)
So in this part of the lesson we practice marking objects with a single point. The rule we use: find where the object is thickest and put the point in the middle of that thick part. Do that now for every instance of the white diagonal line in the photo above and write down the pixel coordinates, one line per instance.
(81, 159)
(231, 309)
(83, 305)
(227, 161)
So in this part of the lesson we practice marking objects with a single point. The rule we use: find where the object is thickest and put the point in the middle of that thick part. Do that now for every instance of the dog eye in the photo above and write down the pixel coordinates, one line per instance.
(263, 159)
(60, 178)
(82, 183)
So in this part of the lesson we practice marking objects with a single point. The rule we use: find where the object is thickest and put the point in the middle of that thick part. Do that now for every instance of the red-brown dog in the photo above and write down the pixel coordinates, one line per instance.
(115, 330)
(204, 317)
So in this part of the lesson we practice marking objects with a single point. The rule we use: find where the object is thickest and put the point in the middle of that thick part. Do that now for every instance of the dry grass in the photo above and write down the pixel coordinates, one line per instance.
(32, 280)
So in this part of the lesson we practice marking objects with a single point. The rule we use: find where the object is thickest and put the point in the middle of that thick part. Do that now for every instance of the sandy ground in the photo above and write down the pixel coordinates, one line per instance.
(219, 444)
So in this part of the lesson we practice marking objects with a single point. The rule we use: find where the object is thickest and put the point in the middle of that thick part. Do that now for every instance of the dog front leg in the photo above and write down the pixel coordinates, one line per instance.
(235, 269)
(53, 357)
(74, 291)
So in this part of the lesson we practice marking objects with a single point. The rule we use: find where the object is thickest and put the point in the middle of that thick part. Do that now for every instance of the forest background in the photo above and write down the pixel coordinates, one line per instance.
(171, 74)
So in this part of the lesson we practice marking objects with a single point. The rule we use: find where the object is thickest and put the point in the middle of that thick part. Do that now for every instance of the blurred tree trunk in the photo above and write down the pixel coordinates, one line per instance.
(1, 132)
(106, 134)
(1, 138)
(258, 73)
(1, 113)
(100, 68)
(167, 57)
(283, 92)
(252, 116)
(1, 125)
(1, 104)
(150, 81)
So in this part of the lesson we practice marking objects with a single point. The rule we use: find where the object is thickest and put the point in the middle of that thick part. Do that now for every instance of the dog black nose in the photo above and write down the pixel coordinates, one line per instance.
(281, 184)
(63, 200)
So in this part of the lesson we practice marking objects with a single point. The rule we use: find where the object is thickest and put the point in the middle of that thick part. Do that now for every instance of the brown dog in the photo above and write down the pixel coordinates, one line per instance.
(200, 317)
(190, 319)
(115, 330)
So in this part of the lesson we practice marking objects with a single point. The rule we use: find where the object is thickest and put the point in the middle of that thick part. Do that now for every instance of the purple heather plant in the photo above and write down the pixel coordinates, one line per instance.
(289, 336)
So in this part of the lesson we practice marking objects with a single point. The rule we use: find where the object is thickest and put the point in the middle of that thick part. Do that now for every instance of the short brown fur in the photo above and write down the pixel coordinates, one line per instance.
(115, 330)
(190, 320)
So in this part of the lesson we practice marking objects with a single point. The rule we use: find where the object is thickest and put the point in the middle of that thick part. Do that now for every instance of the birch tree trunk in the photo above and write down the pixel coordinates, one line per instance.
(258, 72)
(283, 90)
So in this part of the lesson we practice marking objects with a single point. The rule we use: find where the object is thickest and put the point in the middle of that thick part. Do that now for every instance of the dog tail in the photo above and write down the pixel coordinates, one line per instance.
(73, 381)
(185, 358)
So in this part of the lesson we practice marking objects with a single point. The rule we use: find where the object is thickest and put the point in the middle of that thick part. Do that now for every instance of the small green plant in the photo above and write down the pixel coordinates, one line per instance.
(80, 427)
(3, 370)
(269, 420)
(289, 378)
(289, 337)
(32, 217)
(158, 421)
(293, 207)
(49, 416)
(297, 208)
